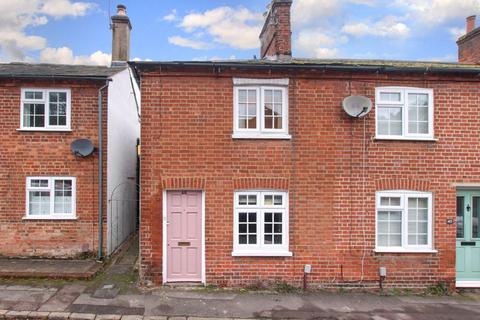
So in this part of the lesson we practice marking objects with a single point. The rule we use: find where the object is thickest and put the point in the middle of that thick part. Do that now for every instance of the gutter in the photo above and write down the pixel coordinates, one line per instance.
(100, 170)
(325, 67)
(29, 76)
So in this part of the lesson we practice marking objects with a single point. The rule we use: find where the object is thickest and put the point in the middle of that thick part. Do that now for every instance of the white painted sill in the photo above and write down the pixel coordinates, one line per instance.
(381, 250)
(261, 254)
(262, 136)
(386, 138)
(49, 218)
(43, 130)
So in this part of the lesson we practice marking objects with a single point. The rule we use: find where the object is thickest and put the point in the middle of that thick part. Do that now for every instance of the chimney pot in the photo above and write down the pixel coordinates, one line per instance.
(121, 10)
(471, 23)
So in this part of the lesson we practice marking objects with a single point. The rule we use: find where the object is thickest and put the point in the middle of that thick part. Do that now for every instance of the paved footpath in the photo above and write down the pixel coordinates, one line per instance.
(113, 295)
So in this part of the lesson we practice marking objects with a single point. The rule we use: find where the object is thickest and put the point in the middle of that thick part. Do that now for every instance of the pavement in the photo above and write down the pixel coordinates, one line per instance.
(114, 295)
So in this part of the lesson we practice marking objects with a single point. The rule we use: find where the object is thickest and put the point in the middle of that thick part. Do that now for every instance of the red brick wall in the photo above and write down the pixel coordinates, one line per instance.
(186, 143)
(469, 47)
(48, 154)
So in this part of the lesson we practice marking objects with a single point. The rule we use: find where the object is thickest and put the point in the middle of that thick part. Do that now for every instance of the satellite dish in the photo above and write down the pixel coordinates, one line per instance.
(357, 106)
(82, 147)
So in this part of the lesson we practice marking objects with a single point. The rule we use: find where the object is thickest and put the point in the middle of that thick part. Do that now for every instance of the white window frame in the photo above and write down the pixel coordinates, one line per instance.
(260, 132)
(46, 102)
(261, 249)
(403, 207)
(403, 103)
(51, 189)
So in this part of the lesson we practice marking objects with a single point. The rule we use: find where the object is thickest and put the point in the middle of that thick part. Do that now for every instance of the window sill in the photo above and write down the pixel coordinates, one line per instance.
(43, 130)
(261, 254)
(49, 218)
(262, 136)
(405, 251)
(427, 139)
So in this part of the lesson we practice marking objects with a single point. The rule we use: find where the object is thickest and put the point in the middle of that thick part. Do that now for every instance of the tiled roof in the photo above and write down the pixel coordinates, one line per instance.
(27, 70)
(380, 65)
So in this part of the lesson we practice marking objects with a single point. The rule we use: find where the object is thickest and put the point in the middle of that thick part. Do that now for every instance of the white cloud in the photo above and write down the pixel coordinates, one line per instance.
(456, 32)
(65, 55)
(364, 2)
(188, 43)
(305, 12)
(388, 27)
(214, 58)
(236, 27)
(20, 15)
(314, 43)
(438, 11)
(172, 16)
(136, 59)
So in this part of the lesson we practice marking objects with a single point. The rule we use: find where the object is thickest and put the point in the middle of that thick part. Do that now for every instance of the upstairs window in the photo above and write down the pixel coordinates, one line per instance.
(261, 108)
(261, 223)
(404, 221)
(404, 113)
(45, 109)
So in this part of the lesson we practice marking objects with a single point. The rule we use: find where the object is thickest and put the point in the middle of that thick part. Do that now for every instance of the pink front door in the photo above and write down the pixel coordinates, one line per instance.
(184, 236)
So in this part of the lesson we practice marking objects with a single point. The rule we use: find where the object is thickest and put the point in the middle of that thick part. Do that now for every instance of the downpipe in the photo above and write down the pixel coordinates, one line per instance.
(100, 171)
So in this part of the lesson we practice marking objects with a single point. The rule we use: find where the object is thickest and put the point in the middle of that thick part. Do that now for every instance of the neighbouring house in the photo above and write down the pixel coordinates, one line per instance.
(253, 172)
(52, 200)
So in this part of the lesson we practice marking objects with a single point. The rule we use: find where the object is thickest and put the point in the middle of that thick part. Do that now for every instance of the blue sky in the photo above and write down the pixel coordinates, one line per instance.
(77, 31)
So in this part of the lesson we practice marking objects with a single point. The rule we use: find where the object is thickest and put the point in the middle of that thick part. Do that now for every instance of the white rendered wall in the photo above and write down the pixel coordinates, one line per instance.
(123, 131)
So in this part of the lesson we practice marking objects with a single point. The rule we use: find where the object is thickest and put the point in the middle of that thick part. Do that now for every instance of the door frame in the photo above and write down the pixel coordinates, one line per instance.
(164, 236)
(472, 188)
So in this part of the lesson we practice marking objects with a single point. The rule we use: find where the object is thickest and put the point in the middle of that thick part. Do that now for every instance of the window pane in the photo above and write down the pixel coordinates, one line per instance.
(39, 202)
(39, 183)
(242, 199)
(273, 228)
(252, 199)
(33, 115)
(268, 200)
(418, 113)
(247, 228)
(58, 108)
(390, 201)
(475, 217)
(389, 121)
(390, 96)
(242, 96)
(268, 96)
(417, 224)
(389, 228)
(242, 109)
(34, 95)
(460, 215)
(63, 196)
(277, 200)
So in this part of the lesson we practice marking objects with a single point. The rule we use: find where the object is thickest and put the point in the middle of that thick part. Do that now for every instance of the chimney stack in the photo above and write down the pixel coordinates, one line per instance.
(471, 23)
(469, 43)
(276, 35)
(121, 28)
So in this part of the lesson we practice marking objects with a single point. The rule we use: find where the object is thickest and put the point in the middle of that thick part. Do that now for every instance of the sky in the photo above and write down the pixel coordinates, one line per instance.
(77, 31)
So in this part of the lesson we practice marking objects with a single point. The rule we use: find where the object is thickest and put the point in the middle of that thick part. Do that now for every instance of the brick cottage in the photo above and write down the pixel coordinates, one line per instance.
(51, 199)
(252, 171)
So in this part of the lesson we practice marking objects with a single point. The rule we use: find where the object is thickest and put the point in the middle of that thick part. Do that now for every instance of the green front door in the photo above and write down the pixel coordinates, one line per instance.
(468, 236)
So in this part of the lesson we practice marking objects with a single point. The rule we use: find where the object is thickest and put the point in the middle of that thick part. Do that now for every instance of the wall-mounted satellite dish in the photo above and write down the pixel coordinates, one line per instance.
(357, 106)
(82, 147)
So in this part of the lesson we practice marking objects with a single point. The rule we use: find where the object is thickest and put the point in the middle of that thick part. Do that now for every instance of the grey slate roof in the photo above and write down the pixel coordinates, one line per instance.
(334, 64)
(58, 71)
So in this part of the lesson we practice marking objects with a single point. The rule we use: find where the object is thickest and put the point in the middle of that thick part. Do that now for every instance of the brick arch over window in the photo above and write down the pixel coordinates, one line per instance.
(261, 183)
(184, 183)
(402, 184)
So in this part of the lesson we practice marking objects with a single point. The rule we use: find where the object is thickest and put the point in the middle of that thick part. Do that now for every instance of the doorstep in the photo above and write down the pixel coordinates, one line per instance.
(467, 284)
(48, 268)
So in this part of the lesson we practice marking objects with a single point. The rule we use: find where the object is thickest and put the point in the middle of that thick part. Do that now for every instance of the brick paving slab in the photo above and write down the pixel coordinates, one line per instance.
(63, 298)
(38, 315)
(154, 318)
(17, 315)
(132, 318)
(108, 317)
(82, 316)
(3, 313)
(176, 318)
(58, 315)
